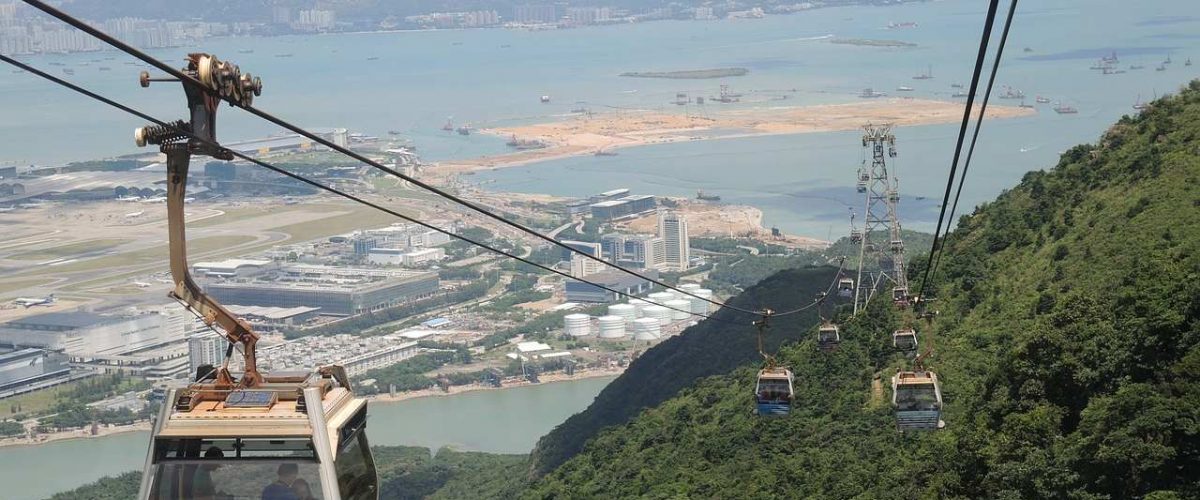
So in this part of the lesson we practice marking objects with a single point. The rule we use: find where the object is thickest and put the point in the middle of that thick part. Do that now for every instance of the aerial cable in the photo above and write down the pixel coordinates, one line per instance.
(962, 135)
(978, 124)
(188, 80)
(323, 187)
(836, 277)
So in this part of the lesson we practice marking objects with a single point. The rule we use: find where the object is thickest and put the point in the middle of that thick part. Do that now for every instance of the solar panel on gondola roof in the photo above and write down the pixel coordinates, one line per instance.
(250, 399)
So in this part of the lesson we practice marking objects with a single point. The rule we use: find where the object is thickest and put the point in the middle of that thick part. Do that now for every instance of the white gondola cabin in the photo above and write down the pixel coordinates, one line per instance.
(773, 393)
(917, 398)
(845, 287)
(900, 296)
(292, 428)
(828, 336)
(905, 339)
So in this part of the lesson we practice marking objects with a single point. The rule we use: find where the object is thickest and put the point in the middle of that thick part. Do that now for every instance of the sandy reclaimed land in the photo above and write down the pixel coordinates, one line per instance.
(587, 134)
(728, 221)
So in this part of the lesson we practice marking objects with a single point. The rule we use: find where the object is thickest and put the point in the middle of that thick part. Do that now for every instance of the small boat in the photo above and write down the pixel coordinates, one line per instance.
(1042, 100)
(1111, 58)
(1023, 105)
(907, 24)
(449, 126)
(956, 85)
(287, 54)
(545, 99)
(959, 94)
(373, 58)
(1064, 109)
(1167, 60)
(18, 71)
(68, 71)
(463, 130)
(1139, 105)
(927, 75)
(1028, 50)
(869, 93)
(1161, 67)
(579, 110)
(393, 132)
(904, 88)
(245, 51)
(105, 68)
(1011, 93)
(700, 195)
(1188, 62)
(601, 152)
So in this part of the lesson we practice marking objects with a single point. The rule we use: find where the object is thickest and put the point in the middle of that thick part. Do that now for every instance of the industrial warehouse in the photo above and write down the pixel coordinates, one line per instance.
(335, 291)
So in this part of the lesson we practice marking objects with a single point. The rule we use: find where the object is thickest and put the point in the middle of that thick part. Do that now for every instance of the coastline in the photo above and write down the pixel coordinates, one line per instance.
(16, 442)
(588, 134)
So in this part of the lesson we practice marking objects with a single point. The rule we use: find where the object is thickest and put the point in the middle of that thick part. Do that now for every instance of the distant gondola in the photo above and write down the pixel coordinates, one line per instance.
(828, 336)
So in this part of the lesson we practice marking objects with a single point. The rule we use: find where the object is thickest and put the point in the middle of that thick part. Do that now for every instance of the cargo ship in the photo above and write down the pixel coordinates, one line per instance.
(700, 195)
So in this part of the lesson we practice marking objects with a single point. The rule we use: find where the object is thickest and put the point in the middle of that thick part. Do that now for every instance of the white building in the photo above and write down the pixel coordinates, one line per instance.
(398, 257)
(205, 348)
(582, 266)
(672, 228)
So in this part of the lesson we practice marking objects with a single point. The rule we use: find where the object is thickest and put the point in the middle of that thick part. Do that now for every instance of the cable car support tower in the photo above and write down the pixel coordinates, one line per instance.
(879, 188)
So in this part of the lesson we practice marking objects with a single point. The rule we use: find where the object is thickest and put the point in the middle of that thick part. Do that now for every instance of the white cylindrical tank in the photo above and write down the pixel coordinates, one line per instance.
(680, 309)
(699, 306)
(612, 327)
(640, 305)
(661, 297)
(646, 329)
(577, 325)
(626, 311)
(660, 313)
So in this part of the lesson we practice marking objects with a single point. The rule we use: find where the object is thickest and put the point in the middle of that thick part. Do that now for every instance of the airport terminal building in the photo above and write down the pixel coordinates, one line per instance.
(336, 291)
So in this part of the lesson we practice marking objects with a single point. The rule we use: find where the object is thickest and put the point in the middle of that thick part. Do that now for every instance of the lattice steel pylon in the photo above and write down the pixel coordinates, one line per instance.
(879, 187)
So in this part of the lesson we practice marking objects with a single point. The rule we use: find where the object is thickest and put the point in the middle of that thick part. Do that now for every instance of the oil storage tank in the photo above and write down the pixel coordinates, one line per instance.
(646, 329)
(612, 327)
(577, 325)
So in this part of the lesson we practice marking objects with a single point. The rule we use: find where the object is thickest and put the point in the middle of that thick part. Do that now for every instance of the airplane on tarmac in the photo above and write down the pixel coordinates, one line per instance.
(30, 302)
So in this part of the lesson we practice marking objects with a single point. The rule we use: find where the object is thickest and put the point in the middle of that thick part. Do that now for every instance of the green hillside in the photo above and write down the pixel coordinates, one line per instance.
(1066, 344)
(708, 348)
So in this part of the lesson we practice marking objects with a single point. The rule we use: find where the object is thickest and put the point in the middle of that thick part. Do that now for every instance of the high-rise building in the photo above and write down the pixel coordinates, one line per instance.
(535, 14)
(645, 251)
(672, 228)
(205, 348)
(612, 247)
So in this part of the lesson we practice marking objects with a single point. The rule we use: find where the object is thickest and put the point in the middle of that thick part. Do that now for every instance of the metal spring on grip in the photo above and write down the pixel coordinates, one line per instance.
(161, 134)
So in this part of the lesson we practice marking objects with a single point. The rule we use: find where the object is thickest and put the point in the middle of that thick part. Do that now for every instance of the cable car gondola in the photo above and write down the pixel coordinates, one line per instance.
(845, 287)
(900, 296)
(773, 393)
(828, 336)
(905, 339)
(251, 434)
(917, 398)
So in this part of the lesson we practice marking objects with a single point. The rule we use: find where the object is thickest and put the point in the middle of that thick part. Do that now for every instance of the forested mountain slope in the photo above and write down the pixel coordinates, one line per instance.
(1067, 345)
(709, 348)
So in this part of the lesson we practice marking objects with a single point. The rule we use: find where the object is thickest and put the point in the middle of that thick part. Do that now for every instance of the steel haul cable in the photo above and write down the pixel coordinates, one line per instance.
(186, 79)
(1012, 8)
(962, 134)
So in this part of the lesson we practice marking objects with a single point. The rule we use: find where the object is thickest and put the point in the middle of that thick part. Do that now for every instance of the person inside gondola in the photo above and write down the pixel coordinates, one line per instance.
(281, 489)
(302, 490)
